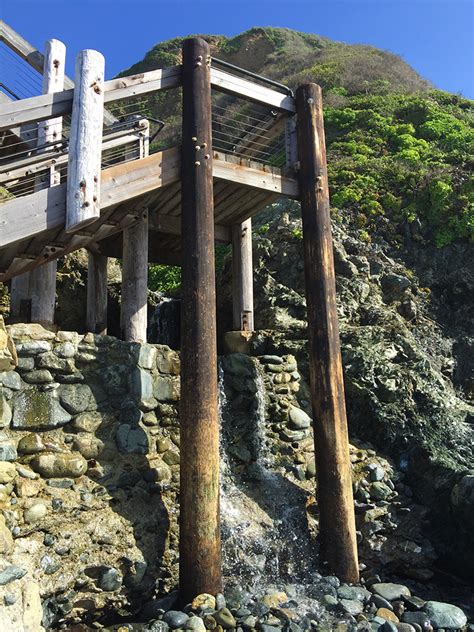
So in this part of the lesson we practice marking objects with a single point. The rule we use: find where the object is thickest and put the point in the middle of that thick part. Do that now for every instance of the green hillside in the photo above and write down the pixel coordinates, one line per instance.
(399, 151)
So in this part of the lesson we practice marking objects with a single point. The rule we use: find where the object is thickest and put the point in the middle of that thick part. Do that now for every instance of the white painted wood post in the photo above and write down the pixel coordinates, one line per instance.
(39, 286)
(85, 142)
(242, 276)
(133, 309)
(96, 317)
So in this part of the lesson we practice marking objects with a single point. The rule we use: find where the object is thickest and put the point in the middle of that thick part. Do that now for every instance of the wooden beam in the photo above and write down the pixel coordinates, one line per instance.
(143, 83)
(336, 506)
(199, 543)
(85, 142)
(228, 167)
(231, 84)
(30, 215)
(157, 253)
(133, 307)
(96, 312)
(242, 277)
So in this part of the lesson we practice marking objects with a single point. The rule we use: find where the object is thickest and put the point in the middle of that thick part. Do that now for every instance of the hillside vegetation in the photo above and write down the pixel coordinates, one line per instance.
(399, 151)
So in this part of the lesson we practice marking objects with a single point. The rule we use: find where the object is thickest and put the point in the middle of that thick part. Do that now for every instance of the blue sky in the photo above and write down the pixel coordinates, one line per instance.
(434, 36)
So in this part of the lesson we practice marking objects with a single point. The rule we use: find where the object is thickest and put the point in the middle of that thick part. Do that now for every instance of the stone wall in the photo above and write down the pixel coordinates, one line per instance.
(89, 471)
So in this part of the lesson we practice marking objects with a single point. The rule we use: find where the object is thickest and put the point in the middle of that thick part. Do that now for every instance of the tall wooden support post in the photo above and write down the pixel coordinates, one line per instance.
(133, 308)
(85, 144)
(36, 291)
(96, 317)
(336, 508)
(242, 276)
(200, 543)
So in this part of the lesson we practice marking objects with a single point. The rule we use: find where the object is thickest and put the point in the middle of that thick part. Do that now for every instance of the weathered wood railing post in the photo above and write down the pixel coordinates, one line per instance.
(85, 142)
(242, 276)
(133, 307)
(336, 508)
(38, 288)
(96, 315)
(200, 544)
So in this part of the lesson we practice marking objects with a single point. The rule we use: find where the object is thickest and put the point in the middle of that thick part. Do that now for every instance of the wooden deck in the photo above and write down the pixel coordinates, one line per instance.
(32, 227)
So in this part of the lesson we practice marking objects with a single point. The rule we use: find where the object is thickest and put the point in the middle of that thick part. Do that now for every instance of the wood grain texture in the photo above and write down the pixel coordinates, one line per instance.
(133, 307)
(335, 501)
(199, 545)
(242, 277)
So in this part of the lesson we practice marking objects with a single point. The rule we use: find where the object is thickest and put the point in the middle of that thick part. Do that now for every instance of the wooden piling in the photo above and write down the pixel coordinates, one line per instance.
(335, 501)
(96, 316)
(85, 143)
(36, 291)
(133, 307)
(242, 277)
(200, 545)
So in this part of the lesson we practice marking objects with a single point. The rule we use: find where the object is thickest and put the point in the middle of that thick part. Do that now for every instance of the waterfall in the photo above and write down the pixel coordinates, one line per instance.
(165, 323)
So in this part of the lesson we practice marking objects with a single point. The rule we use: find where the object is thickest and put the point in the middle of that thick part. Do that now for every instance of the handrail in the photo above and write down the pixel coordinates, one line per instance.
(249, 73)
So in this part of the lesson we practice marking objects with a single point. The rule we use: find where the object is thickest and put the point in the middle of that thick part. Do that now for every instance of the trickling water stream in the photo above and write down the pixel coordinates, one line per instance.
(266, 539)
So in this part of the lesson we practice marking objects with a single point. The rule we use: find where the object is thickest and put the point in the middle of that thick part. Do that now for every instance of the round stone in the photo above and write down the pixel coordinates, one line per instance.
(390, 591)
(7, 472)
(225, 618)
(30, 444)
(196, 624)
(175, 619)
(36, 512)
(445, 615)
(299, 420)
(203, 601)
(60, 465)
(110, 579)
(387, 614)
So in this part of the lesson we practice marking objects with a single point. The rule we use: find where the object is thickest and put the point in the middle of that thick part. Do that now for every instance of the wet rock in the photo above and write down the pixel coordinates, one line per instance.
(444, 615)
(59, 465)
(376, 472)
(379, 491)
(352, 606)
(353, 592)
(380, 602)
(109, 579)
(299, 419)
(175, 619)
(225, 618)
(38, 410)
(10, 574)
(390, 591)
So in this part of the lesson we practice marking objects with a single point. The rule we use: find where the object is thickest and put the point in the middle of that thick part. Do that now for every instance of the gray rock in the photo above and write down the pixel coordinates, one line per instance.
(7, 452)
(31, 443)
(271, 359)
(33, 347)
(9, 599)
(76, 398)
(49, 564)
(445, 615)
(299, 419)
(353, 592)
(157, 626)
(166, 389)
(155, 607)
(389, 626)
(141, 384)
(10, 574)
(10, 379)
(51, 361)
(390, 591)
(41, 376)
(376, 472)
(131, 439)
(65, 350)
(175, 619)
(5, 412)
(379, 491)
(38, 410)
(352, 606)
(26, 364)
(109, 579)
(380, 602)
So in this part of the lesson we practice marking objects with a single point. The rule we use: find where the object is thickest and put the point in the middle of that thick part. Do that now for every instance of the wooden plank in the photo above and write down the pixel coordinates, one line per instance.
(27, 216)
(134, 85)
(231, 84)
(337, 530)
(256, 178)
